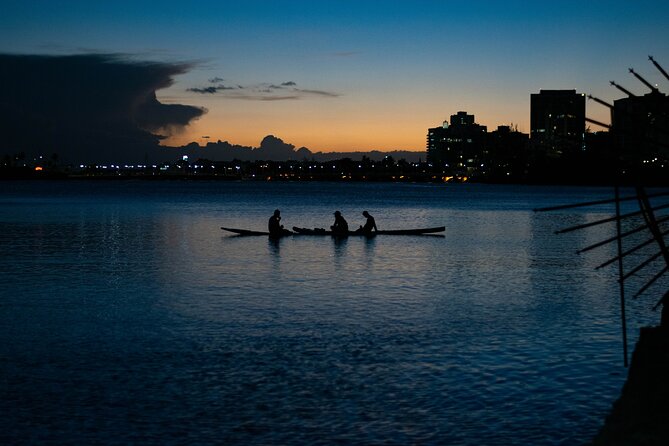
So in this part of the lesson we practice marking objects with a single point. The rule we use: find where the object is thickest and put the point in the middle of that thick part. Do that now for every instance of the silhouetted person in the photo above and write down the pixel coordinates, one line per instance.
(340, 226)
(370, 224)
(274, 225)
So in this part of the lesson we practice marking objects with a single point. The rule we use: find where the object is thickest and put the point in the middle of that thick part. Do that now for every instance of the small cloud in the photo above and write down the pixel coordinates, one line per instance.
(216, 80)
(210, 89)
(263, 91)
(280, 98)
(327, 94)
(205, 90)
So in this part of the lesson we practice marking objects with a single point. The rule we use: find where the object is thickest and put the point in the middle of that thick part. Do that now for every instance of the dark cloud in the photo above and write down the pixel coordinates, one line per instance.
(275, 149)
(261, 95)
(264, 92)
(153, 116)
(211, 89)
(271, 149)
(204, 90)
(87, 108)
(216, 80)
(279, 87)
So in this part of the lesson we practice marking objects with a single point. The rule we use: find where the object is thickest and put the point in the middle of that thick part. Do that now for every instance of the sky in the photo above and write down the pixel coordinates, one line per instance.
(353, 75)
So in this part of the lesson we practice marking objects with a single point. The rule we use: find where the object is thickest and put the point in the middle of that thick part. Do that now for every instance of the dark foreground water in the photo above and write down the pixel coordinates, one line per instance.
(128, 316)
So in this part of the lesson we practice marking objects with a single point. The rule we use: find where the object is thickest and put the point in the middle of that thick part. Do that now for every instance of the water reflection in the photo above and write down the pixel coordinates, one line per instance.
(274, 246)
(339, 249)
(417, 339)
(370, 243)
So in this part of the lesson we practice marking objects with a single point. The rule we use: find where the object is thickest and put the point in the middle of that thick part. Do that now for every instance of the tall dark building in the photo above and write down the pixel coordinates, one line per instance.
(507, 153)
(459, 147)
(640, 129)
(557, 122)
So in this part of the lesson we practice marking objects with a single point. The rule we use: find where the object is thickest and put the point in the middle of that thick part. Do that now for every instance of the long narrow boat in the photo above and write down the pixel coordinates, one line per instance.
(248, 232)
(306, 231)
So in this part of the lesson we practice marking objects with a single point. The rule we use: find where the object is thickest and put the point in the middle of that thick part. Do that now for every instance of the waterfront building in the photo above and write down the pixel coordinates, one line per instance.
(640, 130)
(459, 146)
(557, 122)
(507, 153)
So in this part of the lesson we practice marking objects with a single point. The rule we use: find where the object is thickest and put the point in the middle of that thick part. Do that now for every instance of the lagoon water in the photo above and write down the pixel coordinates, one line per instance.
(128, 316)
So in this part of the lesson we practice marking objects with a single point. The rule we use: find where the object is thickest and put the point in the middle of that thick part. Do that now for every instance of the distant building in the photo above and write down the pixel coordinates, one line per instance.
(640, 129)
(507, 153)
(458, 148)
(557, 122)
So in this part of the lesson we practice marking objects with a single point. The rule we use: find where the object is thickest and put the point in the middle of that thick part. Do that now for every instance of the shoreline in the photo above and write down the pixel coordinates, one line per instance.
(380, 178)
(639, 417)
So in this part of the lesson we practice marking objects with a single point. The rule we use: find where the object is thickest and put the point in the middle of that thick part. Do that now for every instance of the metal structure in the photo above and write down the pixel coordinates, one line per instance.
(640, 235)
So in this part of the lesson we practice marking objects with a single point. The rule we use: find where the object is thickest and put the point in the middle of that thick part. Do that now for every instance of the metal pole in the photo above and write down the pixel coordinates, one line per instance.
(621, 281)
(651, 221)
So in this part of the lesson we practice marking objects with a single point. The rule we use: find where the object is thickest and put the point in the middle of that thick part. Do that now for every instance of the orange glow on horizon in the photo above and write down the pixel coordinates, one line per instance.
(343, 126)
(315, 137)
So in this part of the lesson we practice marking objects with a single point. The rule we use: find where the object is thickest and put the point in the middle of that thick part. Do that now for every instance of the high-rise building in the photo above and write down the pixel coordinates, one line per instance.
(557, 122)
(640, 129)
(507, 150)
(458, 147)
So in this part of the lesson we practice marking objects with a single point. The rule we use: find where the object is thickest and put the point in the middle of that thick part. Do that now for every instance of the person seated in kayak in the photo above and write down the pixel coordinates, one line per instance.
(274, 226)
(340, 226)
(370, 224)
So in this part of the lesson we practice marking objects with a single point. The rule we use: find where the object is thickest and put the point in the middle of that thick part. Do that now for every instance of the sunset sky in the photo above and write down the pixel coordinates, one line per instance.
(357, 75)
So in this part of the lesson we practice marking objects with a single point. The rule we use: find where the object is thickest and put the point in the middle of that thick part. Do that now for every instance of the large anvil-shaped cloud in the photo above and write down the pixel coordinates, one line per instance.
(88, 107)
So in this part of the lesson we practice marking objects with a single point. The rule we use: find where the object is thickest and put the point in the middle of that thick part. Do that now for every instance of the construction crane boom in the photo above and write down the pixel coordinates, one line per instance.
(643, 81)
(657, 65)
(624, 90)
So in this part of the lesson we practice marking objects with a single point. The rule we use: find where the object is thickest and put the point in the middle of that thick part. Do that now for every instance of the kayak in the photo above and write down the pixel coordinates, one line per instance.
(248, 232)
(306, 231)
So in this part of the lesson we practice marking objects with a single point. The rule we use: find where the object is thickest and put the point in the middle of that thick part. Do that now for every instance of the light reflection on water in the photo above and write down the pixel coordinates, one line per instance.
(128, 316)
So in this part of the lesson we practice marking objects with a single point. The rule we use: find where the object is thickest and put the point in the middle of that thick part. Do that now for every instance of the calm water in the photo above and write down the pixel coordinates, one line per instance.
(128, 316)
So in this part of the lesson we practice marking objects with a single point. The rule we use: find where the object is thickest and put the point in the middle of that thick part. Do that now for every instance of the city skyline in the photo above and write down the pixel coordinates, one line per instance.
(365, 76)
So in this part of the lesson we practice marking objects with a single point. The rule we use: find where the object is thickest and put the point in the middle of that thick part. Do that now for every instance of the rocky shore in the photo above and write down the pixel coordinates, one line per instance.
(640, 417)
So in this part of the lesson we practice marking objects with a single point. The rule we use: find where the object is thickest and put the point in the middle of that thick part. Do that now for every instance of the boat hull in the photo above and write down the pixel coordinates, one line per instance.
(307, 231)
(248, 232)
(421, 231)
